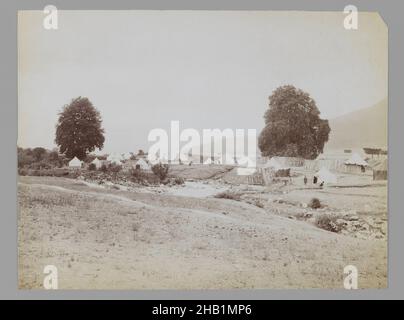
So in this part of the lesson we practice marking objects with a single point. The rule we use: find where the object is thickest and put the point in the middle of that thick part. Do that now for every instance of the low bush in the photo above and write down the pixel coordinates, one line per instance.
(314, 203)
(141, 176)
(229, 195)
(160, 170)
(328, 222)
(179, 180)
(114, 168)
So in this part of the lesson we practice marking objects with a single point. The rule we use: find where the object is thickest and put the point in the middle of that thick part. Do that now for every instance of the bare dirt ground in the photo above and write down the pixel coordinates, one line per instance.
(160, 238)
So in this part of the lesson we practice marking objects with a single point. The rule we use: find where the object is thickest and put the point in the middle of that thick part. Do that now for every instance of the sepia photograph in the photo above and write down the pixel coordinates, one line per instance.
(181, 149)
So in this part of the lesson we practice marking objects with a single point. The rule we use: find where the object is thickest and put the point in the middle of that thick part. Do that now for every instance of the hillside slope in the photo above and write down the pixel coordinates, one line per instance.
(112, 239)
(363, 128)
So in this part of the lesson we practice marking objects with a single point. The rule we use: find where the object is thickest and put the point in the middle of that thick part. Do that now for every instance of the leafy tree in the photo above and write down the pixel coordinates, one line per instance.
(292, 125)
(53, 156)
(25, 157)
(79, 130)
(38, 153)
(140, 152)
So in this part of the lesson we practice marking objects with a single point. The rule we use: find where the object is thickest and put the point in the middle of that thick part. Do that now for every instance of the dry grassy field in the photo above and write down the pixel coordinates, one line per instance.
(172, 238)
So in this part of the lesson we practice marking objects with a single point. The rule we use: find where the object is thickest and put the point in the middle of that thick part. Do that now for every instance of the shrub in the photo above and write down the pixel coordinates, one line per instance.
(315, 203)
(92, 167)
(141, 176)
(328, 222)
(282, 173)
(114, 168)
(229, 195)
(103, 168)
(179, 180)
(136, 174)
(160, 170)
(22, 172)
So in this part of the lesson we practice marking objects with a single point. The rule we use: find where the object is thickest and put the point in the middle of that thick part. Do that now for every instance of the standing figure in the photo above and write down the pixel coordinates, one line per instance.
(315, 180)
(305, 180)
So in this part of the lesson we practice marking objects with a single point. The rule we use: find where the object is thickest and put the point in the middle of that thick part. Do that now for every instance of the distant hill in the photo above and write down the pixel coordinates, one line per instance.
(362, 128)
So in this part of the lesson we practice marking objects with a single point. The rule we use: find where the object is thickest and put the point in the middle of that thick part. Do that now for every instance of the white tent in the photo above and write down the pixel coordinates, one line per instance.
(324, 175)
(356, 159)
(116, 161)
(142, 164)
(272, 163)
(126, 156)
(75, 163)
(115, 158)
(97, 163)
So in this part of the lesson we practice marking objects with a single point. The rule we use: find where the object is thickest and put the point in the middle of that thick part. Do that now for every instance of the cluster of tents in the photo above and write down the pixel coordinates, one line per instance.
(113, 158)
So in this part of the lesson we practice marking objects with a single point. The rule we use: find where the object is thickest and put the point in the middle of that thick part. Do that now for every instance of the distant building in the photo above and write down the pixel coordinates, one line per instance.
(380, 171)
(356, 164)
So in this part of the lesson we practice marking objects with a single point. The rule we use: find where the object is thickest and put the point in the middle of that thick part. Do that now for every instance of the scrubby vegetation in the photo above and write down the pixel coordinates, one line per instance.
(40, 158)
(42, 162)
(328, 222)
(160, 170)
(229, 195)
(143, 177)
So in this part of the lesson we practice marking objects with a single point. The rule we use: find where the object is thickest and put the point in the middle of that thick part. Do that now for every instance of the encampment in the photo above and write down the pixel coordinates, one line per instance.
(114, 158)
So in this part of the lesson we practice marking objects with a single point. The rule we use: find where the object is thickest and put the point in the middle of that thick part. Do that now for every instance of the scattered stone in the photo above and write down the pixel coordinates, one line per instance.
(341, 222)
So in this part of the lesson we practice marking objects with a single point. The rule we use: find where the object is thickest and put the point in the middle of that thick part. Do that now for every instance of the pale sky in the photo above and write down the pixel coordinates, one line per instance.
(207, 69)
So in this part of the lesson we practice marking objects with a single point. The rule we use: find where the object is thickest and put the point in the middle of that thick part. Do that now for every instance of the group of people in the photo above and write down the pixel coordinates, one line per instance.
(315, 180)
